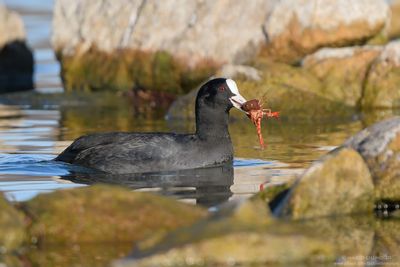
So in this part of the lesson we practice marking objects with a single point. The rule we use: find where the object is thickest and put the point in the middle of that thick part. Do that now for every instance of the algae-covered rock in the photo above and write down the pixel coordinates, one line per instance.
(381, 86)
(342, 71)
(293, 91)
(338, 183)
(297, 28)
(105, 214)
(379, 145)
(127, 69)
(244, 235)
(12, 226)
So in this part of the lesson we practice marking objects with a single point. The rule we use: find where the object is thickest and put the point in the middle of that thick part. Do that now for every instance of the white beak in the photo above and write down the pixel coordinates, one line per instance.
(237, 100)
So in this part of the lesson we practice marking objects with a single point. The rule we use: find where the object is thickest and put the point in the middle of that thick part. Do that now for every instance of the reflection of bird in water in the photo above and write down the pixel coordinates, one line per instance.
(207, 186)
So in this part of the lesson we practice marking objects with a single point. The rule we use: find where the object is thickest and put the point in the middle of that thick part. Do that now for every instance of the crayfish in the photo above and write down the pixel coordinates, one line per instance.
(255, 112)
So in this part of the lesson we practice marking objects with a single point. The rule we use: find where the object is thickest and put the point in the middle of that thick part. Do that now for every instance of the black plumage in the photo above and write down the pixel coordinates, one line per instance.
(119, 152)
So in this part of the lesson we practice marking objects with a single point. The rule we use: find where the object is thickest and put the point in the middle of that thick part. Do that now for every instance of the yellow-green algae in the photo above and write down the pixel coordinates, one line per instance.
(126, 69)
(102, 213)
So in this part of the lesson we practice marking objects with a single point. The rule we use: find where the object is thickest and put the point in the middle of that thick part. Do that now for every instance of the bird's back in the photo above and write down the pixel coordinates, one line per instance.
(144, 152)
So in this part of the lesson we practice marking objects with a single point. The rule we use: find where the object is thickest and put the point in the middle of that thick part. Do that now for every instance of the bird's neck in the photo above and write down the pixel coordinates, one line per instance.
(211, 125)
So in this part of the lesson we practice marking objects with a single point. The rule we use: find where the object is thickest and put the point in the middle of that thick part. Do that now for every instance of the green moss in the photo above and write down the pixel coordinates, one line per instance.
(104, 214)
(127, 69)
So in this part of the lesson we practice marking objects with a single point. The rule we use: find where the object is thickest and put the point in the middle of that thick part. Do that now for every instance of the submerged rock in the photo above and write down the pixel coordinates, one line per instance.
(16, 59)
(381, 87)
(297, 28)
(339, 183)
(104, 214)
(342, 71)
(379, 145)
(12, 226)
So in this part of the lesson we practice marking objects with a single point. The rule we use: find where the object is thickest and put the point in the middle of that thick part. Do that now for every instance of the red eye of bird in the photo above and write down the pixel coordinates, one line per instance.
(221, 88)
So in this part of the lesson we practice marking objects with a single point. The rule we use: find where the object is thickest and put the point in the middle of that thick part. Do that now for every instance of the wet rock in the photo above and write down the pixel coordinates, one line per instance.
(379, 145)
(129, 69)
(104, 214)
(232, 240)
(381, 87)
(12, 225)
(16, 59)
(338, 183)
(297, 28)
(342, 71)
(279, 85)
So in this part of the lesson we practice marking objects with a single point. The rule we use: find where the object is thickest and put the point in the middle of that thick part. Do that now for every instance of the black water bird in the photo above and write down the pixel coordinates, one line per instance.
(210, 145)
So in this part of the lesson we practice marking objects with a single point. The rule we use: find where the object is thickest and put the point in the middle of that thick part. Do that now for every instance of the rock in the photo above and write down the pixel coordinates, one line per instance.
(149, 44)
(238, 237)
(381, 87)
(279, 85)
(12, 225)
(102, 213)
(297, 28)
(342, 71)
(16, 59)
(239, 71)
(393, 30)
(379, 145)
(11, 27)
(193, 32)
(339, 183)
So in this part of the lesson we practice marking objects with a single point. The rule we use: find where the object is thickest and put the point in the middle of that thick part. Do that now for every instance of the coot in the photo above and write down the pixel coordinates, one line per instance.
(120, 152)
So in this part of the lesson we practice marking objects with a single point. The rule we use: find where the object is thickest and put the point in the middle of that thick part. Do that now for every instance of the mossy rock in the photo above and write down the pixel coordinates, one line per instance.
(126, 69)
(12, 225)
(293, 91)
(103, 213)
(337, 184)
